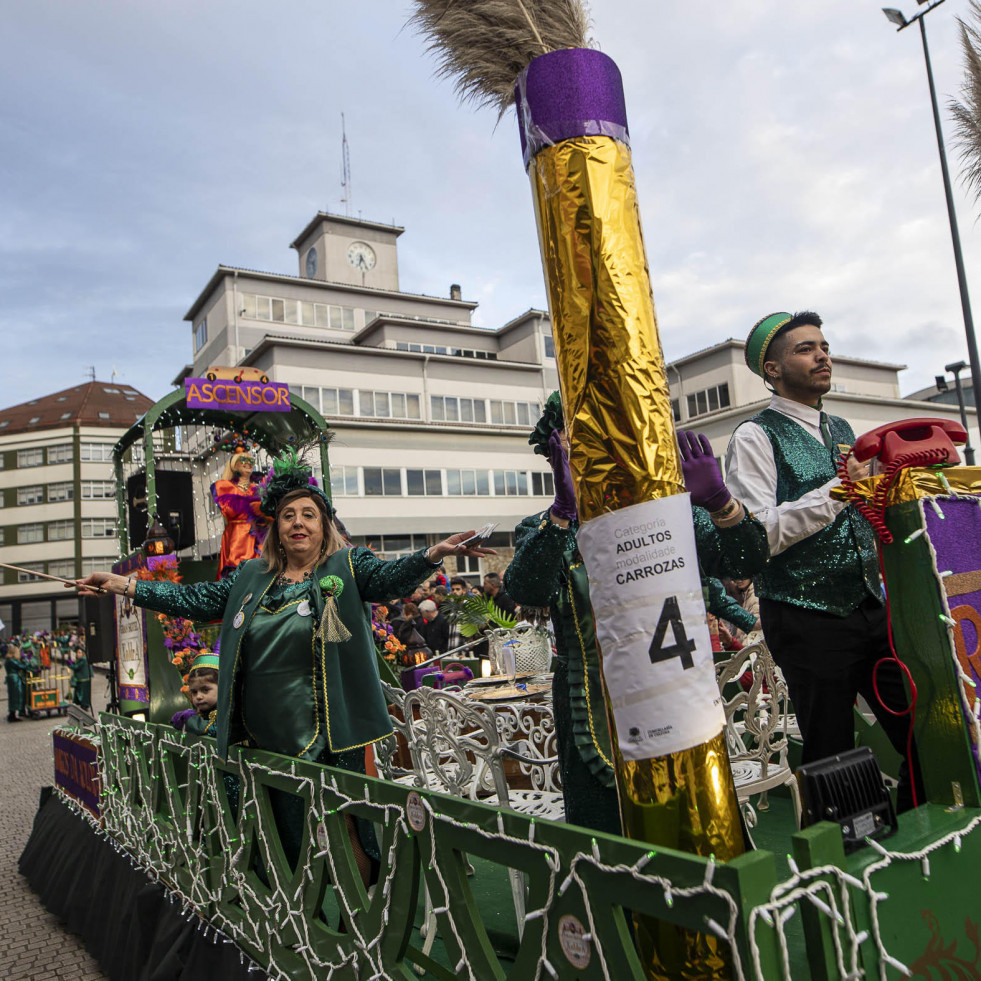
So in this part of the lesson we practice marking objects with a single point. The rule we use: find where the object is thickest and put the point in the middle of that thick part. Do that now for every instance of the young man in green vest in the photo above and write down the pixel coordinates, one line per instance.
(821, 603)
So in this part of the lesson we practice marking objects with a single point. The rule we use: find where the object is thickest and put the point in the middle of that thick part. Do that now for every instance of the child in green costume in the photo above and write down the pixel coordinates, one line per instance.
(15, 682)
(202, 690)
(81, 679)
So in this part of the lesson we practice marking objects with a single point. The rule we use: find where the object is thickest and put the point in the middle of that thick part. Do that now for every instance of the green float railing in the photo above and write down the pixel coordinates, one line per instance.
(170, 802)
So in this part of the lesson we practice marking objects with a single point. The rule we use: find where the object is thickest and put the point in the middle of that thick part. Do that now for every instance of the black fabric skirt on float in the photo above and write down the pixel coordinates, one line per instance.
(126, 921)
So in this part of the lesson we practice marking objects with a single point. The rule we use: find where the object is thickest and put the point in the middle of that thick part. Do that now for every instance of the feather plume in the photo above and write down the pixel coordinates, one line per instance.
(483, 44)
(967, 114)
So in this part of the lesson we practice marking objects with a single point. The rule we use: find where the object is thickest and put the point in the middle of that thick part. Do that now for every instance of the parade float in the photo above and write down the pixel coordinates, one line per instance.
(159, 859)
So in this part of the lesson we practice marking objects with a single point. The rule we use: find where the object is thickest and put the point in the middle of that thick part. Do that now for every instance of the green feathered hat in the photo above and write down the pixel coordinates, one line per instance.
(551, 420)
(760, 338)
(288, 473)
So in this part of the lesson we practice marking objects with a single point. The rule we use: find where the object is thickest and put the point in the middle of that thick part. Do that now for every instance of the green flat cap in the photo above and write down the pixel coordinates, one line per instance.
(760, 337)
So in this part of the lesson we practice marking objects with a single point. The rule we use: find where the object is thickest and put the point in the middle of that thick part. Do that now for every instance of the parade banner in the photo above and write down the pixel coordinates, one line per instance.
(657, 653)
(131, 651)
(243, 396)
(954, 530)
(76, 769)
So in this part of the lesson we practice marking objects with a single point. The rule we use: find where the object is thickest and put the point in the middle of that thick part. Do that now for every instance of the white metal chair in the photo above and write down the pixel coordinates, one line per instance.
(460, 752)
(756, 728)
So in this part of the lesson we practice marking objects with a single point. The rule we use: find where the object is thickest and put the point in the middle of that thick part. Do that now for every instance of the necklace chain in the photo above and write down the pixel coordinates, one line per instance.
(284, 579)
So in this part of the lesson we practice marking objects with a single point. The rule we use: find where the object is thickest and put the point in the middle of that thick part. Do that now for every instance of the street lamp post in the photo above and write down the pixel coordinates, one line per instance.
(955, 369)
(897, 17)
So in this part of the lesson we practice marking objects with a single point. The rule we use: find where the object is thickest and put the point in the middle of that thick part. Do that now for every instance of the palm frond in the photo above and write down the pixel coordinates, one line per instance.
(967, 113)
(475, 613)
(484, 44)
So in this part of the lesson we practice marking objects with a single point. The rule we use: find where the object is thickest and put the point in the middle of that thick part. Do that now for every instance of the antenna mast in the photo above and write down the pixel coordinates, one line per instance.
(345, 170)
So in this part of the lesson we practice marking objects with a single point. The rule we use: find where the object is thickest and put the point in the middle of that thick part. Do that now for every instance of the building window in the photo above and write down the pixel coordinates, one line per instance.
(65, 568)
(61, 531)
(708, 400)
(31, 495)
(382, 481)
(510, 483)
(29, 534)
(388, 405)
(65, 415)
(467, 482)
(337, 401)
(549, 345)
(514, 413)
(62, 453)
(30, 458)
(61, 492)
(542, 485)
(200, 334)
(97, 564)
(3, 536)
(344, 481)
(99, 528)
(28, 569)
(450, 409)
(98, 490)
(283, 311)
(96, 452)
(424, 483)
(676, 410)
(104, 415)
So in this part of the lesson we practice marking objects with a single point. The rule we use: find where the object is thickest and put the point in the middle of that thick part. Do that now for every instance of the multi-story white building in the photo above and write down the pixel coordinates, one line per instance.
(57, 496)
(431, 414)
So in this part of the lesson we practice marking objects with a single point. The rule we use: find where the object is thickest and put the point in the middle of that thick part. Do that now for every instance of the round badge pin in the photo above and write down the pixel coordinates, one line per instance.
(239, 619)
(574, 942)
(415, 812)
(303, 608)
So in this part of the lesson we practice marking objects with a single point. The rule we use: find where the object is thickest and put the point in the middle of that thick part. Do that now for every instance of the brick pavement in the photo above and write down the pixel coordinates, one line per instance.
(33, 944)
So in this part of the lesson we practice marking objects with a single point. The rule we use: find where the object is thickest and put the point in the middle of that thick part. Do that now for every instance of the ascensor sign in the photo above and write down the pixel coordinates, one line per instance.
(238, 396)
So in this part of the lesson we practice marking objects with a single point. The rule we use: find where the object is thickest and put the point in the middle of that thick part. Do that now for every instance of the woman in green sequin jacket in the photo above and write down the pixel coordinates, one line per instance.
(286, 684)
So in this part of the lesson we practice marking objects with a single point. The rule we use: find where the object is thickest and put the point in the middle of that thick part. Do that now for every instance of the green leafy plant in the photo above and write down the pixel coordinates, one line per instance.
(474, 614)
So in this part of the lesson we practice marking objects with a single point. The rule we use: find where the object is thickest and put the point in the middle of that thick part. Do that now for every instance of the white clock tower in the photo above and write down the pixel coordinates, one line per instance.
(336, 249)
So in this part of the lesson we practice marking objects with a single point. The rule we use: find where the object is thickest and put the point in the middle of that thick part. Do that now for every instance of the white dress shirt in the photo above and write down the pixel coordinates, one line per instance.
(751, 476)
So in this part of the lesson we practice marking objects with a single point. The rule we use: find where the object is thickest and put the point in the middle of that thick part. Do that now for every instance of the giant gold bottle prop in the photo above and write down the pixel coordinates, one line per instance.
(636, 534)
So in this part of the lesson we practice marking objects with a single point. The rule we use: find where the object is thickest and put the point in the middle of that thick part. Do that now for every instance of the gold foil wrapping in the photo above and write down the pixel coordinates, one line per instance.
(918, 482)
(623, 452)
(614, 388)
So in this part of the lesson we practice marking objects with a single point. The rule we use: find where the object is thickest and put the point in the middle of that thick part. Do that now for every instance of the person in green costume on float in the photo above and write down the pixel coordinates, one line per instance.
(548, 578)
(308, 589)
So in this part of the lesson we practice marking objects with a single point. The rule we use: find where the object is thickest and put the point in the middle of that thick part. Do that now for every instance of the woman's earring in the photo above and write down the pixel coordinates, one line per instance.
(282, 551)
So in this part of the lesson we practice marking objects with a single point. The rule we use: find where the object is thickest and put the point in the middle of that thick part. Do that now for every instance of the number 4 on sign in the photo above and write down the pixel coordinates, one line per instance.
(682, 646)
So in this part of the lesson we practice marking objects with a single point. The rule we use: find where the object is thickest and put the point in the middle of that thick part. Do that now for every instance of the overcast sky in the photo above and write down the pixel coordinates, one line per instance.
(785, 158)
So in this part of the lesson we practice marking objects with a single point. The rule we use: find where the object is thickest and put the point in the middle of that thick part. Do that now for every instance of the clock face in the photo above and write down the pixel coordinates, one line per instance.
(361, 256)
(311, 263)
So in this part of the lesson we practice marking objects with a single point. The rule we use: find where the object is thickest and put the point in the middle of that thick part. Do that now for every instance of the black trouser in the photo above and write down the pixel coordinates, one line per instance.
(828, 661)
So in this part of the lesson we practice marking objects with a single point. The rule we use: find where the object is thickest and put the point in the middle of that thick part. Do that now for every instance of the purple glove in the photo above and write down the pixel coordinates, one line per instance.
(179, 719)
(702, 477)
(564, 505)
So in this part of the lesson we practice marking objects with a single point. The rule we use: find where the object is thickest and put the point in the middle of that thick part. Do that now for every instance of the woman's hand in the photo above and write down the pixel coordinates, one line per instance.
(100, 582)
(454, 546)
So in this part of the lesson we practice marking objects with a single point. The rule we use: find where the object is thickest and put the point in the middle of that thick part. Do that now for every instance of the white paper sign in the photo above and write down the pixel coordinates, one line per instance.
(647, 598)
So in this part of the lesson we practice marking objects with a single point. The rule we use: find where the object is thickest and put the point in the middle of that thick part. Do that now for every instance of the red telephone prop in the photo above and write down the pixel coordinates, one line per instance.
(930, 440)
(919, 442)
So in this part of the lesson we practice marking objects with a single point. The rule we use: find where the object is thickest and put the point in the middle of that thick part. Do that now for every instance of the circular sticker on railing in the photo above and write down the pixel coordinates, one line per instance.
(415, 812)
(574, 942)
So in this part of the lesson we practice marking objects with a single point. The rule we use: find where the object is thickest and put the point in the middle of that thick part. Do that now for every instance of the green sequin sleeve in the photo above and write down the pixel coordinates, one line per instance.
(532, 578)
(719, 603)
(379, 580)
(195, 601)
(739, 551)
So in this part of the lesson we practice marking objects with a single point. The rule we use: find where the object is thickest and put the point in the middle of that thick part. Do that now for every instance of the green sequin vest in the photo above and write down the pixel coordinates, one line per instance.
(835, 569)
